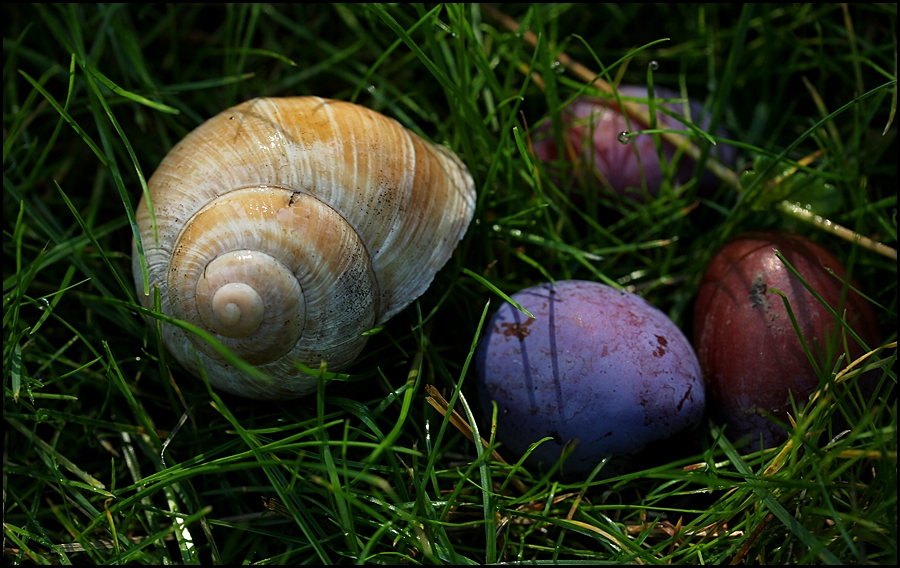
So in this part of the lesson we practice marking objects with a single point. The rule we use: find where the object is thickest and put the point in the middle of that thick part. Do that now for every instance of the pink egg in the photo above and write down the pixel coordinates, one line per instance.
(592, 129)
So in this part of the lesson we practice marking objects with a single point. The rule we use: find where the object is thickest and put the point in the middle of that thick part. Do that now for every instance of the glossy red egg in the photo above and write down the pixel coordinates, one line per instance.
(749, 352)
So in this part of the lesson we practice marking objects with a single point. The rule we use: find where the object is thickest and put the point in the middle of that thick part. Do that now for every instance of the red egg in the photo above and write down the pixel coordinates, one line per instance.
(750, 354)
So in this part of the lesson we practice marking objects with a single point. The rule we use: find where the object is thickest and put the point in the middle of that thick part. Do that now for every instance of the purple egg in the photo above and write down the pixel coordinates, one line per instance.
(596, 364)
(592, 126)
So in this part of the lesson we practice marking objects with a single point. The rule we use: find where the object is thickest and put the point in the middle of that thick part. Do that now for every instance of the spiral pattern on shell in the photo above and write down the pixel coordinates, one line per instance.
(287, 227)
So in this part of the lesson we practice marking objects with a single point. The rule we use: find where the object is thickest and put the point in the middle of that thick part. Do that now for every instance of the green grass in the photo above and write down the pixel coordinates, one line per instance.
(113, 453)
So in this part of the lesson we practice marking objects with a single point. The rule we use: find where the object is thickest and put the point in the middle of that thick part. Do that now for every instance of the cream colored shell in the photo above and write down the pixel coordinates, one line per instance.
(287, 227)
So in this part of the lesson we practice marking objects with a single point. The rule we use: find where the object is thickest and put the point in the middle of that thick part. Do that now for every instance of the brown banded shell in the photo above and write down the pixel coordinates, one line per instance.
(287, 227)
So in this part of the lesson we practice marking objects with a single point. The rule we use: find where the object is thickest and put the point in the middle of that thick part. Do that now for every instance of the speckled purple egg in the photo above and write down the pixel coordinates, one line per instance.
(595, 364)
(592, 126)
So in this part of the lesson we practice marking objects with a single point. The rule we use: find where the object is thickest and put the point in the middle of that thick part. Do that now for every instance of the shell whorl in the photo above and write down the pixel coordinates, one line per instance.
(287, 227)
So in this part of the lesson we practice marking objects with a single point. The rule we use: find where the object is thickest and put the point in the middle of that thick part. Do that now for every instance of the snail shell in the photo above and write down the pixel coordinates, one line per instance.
(287, 227)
